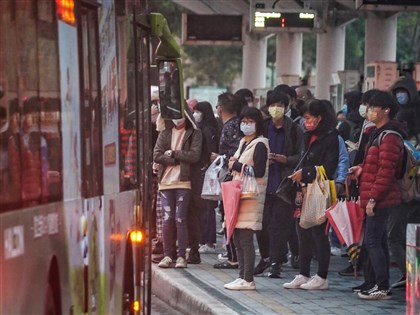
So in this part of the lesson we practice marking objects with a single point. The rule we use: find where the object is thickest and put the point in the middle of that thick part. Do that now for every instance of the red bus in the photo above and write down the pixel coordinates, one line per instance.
(75, 156)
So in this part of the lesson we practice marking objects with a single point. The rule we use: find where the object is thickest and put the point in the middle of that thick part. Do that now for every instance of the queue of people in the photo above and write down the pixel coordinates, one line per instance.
(288, 138)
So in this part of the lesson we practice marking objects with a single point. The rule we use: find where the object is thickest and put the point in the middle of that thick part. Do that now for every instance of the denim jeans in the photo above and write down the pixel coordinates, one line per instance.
(175, 204)
(376, 243)
(244, 240)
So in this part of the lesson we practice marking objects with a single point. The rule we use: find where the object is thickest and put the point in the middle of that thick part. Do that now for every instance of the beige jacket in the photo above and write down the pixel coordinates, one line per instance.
(251, 210)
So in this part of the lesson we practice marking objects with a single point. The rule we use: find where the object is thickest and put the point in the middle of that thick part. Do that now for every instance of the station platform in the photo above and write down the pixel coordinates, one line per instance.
(199, 289)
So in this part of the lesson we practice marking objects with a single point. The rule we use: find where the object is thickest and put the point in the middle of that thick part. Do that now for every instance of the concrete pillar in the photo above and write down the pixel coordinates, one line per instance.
(380, 38)
(329, 59)
(289, 58)
(254, 62)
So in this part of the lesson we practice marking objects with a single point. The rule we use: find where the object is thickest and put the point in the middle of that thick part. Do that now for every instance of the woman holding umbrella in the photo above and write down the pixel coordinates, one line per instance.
(252, 151)
(322, 148)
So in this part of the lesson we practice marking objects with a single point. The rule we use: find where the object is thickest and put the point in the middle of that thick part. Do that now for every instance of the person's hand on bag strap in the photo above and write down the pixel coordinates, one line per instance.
(341, 190)
(232, 160)
(213, 156)
(296, 176)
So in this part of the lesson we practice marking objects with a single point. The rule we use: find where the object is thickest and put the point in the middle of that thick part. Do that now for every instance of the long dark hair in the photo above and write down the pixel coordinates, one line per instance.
(323, 109)
(206, 110)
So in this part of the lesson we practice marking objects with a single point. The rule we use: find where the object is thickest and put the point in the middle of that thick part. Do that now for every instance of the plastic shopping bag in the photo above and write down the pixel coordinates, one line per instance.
(249, 183)
(211, 186)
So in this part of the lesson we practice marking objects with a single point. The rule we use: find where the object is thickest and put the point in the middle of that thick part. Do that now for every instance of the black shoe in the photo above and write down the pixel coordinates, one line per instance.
(156, 258)
(375, 293)
(157, 247)
(294, 261)
(348, 271)
(363, 287)
(261, 267)
(226, 265)
(400, 283)
(194, 258)
(283, 260)
(274, 271)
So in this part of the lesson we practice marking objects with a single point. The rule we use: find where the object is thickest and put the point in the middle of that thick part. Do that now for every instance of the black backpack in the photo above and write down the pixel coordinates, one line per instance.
(355, 130)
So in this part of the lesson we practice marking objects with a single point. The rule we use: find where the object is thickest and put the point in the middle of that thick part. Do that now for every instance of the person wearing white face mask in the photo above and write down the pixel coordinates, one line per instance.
(253, 151)
(286, 146)
(379, 192)
(201, 214)
(176, 149)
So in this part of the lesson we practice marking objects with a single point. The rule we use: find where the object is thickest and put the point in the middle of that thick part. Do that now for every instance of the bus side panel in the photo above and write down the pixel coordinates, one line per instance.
(29, 241)
(109, 92)
(70, 111)
(108, 225)
(77, 247)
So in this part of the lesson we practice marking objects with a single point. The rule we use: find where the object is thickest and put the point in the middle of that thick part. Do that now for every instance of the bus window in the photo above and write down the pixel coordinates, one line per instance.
(170, 89)
(31, 167)
(90, 111)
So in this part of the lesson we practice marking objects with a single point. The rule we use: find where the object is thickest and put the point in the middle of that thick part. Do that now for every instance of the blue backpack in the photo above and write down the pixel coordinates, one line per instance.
(409, 179)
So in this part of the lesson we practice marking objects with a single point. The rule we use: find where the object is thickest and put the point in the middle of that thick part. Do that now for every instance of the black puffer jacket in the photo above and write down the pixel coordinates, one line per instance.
(323, 151)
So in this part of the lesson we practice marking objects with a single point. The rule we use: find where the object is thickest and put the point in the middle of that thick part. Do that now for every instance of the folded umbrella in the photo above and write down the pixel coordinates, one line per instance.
(346, 218)
(231, 193)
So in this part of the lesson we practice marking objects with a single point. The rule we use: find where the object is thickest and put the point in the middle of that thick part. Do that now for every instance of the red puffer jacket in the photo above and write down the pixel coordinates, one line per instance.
(379, 175)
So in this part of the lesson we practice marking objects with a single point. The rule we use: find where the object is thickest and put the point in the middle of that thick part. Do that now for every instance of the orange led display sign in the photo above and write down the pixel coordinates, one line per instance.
(65, 11)
(271, 20)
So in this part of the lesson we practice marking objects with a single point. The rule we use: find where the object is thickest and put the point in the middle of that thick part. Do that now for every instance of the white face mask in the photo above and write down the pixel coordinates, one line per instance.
(363, 110)
(178, 122)
(198, 116)
(247, 129)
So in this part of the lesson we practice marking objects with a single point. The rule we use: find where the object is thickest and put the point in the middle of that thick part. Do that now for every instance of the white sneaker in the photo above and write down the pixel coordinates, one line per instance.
(242, 285)
(316, 283)
(166, 262)
(205, 249)
(335, 251)
(296, 282)
(222, 257)
(228, 285)
(181, 262)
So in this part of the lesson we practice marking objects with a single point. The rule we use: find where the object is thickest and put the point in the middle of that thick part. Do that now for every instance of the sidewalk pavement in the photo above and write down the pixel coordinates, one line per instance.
(198, 289)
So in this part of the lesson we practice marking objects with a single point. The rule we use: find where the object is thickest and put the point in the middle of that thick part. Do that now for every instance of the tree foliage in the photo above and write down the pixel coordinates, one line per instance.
(408, 37)
(221, 65)
(205, 64)
(355, 46)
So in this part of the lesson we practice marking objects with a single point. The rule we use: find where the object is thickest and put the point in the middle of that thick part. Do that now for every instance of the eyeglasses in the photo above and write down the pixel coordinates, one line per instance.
(247, 122)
